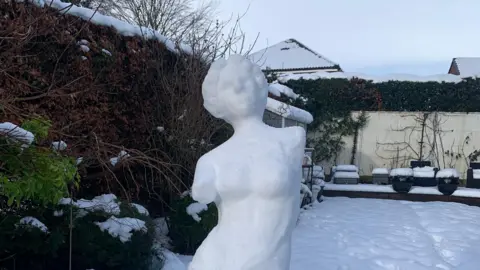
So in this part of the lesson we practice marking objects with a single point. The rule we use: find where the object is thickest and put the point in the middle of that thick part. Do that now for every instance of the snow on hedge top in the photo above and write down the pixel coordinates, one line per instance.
(33, 222)
(122, 27)
(288, 111)
(289, 54)
(122, 227)
(375, 78)
(17, 133)
(447, 173)
(140, 209)
(277, 89)
(106, 203)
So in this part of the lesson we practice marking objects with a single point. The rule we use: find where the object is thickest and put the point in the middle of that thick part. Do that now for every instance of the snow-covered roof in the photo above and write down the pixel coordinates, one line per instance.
(290, 54)
(283, 78)
(122, 27)
(467, 66)
(288, 111)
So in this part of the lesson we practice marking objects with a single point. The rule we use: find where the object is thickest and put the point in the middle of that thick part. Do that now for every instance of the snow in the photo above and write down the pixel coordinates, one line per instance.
(373, 234)
(160, 129)
(380, 171)
(362, 234)
(375, 78)
(460, 192)
(468, 66)
(58, 213)
(277, 89)
(448, 173)
(288, 111)
(346, 168)
(161, 232)
(31, 221)
(122, 155)
(84, 48)
(172, 262)
(106, 203)
(79, 160)
(17, 133)
(83, 42)
(106, 52)
(424, 172)
(253, 178)
(304, 189)
(348, 175)
(401, 172)
(122, 228)
(289, 54)
(141, 210)
(476, 173)
(318, 172)
(196, 208)
(59, 146)
(122, 27)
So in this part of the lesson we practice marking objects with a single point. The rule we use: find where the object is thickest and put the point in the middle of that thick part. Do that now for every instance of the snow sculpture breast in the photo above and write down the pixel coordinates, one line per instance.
(253, 178)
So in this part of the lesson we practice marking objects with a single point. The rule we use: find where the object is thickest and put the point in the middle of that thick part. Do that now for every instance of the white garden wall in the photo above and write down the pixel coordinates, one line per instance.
(392, 139)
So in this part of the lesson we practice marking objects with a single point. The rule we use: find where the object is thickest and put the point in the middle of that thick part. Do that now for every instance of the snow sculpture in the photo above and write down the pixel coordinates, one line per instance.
(253, 178)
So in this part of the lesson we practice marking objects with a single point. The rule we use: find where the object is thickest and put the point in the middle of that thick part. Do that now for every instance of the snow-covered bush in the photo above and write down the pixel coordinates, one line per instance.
(103, 236)
(189, 224)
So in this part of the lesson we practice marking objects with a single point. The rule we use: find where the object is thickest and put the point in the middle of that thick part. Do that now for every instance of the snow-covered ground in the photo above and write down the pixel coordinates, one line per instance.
(460, 192)
(371, 234)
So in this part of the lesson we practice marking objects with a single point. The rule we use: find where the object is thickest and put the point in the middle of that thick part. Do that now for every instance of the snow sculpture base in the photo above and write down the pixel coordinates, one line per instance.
(253, 178)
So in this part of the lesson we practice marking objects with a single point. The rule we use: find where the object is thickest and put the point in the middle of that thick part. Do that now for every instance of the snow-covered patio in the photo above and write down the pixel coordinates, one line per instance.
(371, 234)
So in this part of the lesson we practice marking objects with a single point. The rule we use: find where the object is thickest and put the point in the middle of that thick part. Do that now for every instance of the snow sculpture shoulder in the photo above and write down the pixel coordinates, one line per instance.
(253, 178)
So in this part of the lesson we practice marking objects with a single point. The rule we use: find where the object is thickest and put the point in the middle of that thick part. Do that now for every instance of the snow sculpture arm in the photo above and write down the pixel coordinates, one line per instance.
(203, 188)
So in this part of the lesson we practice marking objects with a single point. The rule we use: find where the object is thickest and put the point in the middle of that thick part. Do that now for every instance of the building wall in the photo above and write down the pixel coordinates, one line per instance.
(275, 120)
(453, 69)
(391, 139)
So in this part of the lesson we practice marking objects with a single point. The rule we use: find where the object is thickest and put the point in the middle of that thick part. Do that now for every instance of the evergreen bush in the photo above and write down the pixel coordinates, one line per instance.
(29, 248)
(33, 179)
(186, 233)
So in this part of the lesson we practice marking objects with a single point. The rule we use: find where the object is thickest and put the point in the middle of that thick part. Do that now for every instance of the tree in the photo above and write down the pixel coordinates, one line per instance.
(183, 22)
(331, 102)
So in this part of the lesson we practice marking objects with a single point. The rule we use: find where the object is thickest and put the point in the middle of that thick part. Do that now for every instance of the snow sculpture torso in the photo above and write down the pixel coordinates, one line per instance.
(253, 178)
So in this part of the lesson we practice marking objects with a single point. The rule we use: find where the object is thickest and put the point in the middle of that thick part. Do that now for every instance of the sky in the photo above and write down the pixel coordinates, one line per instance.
(370, 36)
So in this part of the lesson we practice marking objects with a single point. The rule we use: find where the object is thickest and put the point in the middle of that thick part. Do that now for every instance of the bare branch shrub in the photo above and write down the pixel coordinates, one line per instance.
(124, 93)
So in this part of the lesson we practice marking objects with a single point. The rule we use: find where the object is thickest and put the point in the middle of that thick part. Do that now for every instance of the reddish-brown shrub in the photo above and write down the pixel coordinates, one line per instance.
(100, 104)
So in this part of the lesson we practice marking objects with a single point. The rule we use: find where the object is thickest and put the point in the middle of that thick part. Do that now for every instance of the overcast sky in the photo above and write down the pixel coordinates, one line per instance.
(371, 36)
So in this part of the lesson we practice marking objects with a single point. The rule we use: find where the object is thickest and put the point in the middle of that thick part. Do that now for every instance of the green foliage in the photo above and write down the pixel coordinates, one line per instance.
(28, 248)
(38, 126)
(34, 173)
(331, 103)
(186, 233)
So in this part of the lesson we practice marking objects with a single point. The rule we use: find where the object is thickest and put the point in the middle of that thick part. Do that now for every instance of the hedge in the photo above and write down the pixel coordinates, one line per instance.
(340, 95)
(103, 93)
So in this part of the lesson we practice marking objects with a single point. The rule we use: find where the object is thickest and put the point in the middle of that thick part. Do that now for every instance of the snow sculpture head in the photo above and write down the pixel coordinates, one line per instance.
(235, 89)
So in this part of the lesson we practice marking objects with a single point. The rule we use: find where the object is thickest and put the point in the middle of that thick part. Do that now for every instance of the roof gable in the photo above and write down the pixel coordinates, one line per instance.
(467, 66)
(290, 55)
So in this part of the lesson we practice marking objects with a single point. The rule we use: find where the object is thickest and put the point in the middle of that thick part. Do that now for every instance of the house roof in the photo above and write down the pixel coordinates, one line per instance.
(290, 55)
(467, 66)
